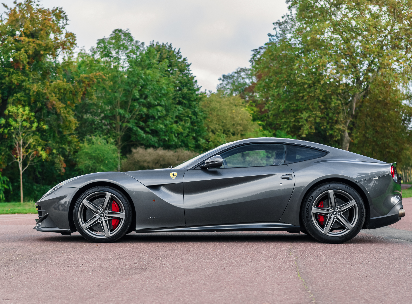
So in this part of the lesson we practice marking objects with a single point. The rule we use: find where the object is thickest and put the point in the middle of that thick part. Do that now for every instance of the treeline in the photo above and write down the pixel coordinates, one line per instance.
(64, 113)
(335, 72)
(338, 73)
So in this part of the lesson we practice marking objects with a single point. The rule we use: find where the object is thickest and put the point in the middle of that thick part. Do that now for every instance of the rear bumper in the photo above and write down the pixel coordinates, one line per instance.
(394, 216)
(382, 221)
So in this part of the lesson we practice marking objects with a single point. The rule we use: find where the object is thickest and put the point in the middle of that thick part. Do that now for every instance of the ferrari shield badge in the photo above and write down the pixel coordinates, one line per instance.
(173, 175)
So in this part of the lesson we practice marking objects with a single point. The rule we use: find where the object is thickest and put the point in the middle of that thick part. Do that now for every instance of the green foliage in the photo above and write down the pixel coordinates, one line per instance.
(36, 75)
(97, 155)
(282, 134)
(4, 184)
(35, 67)
(238, 82)
(183, 127)
(381, 126)
(147, 95)
(325, 56)
(21, 127)
(142, 159)
(227, 119)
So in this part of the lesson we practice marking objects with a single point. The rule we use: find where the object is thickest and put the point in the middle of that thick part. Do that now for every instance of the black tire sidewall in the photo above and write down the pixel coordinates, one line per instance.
(127, 219)
(306, 213)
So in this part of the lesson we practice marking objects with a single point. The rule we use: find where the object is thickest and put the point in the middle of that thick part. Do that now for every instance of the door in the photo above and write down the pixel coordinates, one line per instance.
(253, 186)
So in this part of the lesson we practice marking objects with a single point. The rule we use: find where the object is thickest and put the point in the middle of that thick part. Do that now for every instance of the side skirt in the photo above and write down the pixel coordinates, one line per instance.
(222, 228)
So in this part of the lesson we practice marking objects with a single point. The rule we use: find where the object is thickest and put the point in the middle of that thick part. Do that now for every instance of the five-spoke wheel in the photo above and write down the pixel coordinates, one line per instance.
(102, 214)
(333, 213)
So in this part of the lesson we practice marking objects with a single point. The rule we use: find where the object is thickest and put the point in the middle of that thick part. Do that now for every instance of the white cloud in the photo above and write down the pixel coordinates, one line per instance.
(216, 36)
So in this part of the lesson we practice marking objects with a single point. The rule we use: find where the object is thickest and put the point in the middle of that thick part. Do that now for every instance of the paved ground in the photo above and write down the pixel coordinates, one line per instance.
(405, 186)
(375, 267)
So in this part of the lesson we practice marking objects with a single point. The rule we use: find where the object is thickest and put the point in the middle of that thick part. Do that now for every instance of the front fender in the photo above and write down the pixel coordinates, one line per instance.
(58, 203)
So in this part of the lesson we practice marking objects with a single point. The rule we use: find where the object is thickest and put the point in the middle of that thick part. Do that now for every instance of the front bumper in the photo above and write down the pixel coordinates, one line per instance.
(45, 224)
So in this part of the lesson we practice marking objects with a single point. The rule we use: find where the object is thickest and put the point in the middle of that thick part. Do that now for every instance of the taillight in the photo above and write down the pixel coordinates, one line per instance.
(393, 171)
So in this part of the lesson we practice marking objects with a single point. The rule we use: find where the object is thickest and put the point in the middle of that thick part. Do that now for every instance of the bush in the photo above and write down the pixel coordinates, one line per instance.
(142, 159)
(97, 155)
(4, 184)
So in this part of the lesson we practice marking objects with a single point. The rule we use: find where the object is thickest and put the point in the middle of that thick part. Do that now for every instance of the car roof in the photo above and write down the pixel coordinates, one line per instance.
(334, 153)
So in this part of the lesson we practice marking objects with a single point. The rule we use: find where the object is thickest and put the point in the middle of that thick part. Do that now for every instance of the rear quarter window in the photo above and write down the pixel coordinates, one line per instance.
(296, 154)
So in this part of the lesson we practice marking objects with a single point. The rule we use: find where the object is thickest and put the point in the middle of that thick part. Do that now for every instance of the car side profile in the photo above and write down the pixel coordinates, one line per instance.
(264, 184)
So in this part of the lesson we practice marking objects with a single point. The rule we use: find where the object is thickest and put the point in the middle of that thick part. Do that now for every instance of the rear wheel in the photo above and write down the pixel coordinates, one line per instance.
(333, 213)
(102, 214)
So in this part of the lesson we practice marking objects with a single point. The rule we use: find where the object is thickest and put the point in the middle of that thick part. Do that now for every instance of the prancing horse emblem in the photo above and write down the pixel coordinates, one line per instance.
(173, 175)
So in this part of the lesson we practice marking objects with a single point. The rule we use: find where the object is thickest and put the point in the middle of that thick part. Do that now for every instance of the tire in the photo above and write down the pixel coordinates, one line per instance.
(333, 213)
(102, 214)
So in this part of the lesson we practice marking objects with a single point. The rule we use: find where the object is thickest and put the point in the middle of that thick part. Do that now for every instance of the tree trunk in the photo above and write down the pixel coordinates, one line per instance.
(118, 159)
(21, 185)
(351, 113)
(346, 140)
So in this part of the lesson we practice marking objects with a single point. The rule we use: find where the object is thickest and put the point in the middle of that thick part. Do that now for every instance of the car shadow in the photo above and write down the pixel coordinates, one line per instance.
(210, 237)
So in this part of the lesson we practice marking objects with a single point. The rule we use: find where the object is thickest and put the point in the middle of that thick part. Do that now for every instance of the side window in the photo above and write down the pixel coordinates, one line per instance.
(254, 156)
(296, 154)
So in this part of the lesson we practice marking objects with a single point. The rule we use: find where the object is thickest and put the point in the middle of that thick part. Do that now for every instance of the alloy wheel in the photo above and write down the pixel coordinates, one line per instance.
(101, 215)
(334, 213)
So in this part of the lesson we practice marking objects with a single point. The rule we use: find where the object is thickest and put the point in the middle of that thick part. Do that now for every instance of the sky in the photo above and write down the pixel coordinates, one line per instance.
(216, 36)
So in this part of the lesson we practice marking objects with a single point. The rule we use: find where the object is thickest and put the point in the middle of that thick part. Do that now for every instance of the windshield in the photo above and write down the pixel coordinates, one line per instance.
(195, 160)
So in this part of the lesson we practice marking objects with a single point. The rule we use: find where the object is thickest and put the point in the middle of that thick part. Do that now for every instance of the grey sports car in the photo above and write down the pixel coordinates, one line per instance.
(253, 184)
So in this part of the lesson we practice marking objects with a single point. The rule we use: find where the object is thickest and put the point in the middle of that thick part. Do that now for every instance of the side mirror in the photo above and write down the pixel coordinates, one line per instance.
(213, 162)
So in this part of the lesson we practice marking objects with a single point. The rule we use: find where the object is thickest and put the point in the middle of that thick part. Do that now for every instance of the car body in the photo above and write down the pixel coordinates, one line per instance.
(251, 184)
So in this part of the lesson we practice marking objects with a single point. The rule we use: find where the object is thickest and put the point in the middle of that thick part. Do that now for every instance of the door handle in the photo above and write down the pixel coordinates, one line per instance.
(287, 176)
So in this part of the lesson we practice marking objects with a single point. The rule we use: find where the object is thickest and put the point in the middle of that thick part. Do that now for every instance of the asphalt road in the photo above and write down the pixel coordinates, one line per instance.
(250, 267)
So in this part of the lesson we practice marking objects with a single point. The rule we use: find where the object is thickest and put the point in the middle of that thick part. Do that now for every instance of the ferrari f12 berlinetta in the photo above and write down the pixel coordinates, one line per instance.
(254, 184)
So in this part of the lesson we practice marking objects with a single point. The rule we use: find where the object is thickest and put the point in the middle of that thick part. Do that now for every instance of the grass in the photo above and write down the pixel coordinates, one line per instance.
(13, 208)
(407, 193)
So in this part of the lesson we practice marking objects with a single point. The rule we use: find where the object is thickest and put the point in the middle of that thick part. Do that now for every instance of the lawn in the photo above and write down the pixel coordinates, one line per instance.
(12, 208)
(407, 193)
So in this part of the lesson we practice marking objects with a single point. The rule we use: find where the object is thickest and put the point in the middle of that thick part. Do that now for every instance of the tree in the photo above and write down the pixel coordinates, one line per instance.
(22, 129)
(120, 54)
(132, 85)
(96, 155)
(227, 119)
(325, 56)
(37, 71)
(35, 58)
(238, 82)
(185, 128)
(147, 96)
(382, 124)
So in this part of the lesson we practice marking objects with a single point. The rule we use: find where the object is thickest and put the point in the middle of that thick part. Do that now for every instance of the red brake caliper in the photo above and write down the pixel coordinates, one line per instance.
(115, 208)
(321, 218)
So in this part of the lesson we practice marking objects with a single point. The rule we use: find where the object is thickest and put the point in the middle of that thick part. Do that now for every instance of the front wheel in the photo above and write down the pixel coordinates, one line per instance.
(333, 213)
(102, 214)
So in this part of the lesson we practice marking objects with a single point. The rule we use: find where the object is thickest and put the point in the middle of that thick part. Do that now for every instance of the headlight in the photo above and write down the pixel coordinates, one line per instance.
(59, 186)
